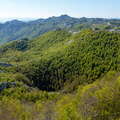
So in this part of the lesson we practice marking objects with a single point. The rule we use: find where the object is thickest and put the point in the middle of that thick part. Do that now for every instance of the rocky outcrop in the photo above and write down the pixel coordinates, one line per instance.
(4, 85)
(2, 64)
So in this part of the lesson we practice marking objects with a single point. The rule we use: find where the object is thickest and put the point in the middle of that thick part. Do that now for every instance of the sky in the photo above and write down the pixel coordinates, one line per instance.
(46, 8)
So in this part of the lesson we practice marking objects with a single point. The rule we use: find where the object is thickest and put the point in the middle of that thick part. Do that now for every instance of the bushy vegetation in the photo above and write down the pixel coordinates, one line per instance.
(95, 101)
(58, 58)
(61, 76)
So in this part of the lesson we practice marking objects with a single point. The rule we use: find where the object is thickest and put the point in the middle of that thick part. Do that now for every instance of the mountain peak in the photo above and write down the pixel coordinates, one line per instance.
(15, 21)
(65, 16)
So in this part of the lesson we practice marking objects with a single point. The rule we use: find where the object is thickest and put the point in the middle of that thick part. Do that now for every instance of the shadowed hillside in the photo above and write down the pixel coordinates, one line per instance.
(57, 59)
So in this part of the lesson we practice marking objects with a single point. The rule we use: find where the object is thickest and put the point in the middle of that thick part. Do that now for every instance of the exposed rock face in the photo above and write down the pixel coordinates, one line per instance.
(5, 64)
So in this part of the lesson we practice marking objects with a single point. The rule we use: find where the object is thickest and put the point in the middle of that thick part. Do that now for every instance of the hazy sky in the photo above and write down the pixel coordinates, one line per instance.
(46, 8)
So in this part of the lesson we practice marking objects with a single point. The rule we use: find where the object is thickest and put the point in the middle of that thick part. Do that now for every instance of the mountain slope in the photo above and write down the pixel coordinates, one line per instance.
(14, 30)
(57, 59)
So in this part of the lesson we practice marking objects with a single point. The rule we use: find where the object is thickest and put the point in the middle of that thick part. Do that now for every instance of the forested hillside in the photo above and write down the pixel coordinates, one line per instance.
(15, 29)
(56, 57)
(61, 76)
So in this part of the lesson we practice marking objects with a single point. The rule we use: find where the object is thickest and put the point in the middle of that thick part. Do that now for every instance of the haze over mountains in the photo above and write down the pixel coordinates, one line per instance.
(3, 20)
(16, 29)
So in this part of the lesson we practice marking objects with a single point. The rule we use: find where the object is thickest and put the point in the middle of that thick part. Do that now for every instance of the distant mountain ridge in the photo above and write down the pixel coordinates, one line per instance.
(16, 29)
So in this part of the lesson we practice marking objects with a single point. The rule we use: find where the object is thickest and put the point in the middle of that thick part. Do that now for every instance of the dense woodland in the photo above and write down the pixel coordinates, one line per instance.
(61, 75)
